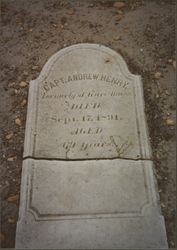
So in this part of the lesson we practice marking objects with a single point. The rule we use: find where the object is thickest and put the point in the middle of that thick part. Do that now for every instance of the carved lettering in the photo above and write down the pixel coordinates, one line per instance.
(85, 76)
(79, 131)
(87, 118)
(69, 145)
(85, 106)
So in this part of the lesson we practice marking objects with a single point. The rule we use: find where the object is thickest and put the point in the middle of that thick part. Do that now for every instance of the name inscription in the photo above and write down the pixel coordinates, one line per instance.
(47, 86)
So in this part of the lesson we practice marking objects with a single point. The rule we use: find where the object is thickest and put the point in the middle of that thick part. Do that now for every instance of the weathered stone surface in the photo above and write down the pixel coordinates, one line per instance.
(86, 104)
(89, 204)
(60, 188)
(90, 184)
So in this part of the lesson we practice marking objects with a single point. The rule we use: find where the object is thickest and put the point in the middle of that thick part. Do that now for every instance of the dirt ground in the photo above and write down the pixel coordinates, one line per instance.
(143, 32)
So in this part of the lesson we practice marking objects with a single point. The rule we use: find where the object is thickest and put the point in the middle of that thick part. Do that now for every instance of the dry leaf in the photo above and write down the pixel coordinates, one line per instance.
(119, 5)
(13, 198)
(170, 122)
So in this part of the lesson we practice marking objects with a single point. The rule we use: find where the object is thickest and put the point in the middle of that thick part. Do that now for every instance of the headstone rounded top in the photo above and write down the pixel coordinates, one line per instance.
(86, 105)
(86, 52)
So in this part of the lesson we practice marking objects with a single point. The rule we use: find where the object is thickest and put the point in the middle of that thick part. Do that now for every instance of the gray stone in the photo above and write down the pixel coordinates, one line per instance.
(89, 204)
(87, 181)
(85, 104)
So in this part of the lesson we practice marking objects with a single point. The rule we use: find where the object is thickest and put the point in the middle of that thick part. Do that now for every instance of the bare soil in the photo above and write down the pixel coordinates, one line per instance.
(143, 32)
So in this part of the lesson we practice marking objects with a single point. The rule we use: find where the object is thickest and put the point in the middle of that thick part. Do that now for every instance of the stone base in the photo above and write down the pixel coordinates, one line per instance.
(94, 204)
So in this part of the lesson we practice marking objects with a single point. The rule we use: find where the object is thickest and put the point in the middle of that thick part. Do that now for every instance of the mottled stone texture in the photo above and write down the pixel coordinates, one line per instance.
(87, 179)
(85, 105)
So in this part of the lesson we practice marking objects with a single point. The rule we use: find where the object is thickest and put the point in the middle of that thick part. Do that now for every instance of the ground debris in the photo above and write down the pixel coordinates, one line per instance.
(174, 64)
(2, 237)
(13, 198)
(117, 38)
(23, 103)
(119, 5)
(12, 158)
(23, 84)
(170, 122)
(36, 67)
(158, 75)
(18, 122)
(9, 136)
(11, 220)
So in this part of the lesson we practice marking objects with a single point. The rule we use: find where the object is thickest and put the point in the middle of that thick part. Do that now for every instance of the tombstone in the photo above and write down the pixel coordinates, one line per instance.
(87, 178)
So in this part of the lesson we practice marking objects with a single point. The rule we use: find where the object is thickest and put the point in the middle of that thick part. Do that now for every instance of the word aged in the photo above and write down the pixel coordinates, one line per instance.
(87, 131)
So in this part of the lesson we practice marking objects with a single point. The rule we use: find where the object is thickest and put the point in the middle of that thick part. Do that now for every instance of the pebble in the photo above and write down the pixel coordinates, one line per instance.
(162, 205)
(157, 75)
(120, 12)
(119, 17)
(35, 67)
(11, 220)
(25, 73)
(158, 177)
(157, 156)
(10, 159)
(11, 85)
(166, 92)
(117, 38)
(16, 91)
(172, 243)
(91, 5)
(18, 122)
(119, 5)
(9, 136)
(70, 12)
(170, 61)
(13, 158)
(22, 84)
(23, 103)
